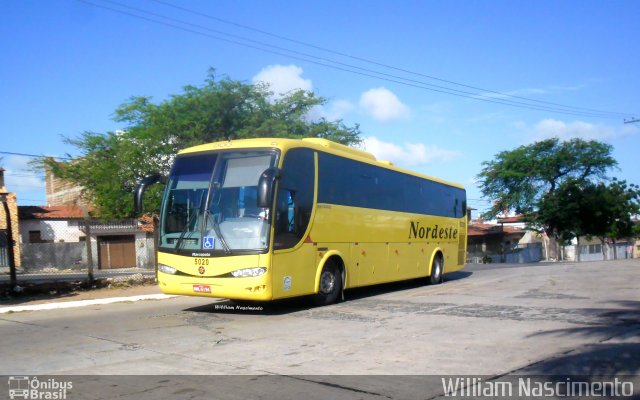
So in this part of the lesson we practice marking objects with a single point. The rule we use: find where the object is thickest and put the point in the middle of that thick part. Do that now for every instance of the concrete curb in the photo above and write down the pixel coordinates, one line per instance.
(83, 303)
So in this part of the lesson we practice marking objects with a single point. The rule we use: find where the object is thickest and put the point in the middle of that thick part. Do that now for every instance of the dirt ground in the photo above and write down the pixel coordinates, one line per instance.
(76, 291)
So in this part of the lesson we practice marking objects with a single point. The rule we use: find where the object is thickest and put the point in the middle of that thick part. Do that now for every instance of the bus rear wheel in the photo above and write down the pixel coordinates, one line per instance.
(436, 270)
(330, 285)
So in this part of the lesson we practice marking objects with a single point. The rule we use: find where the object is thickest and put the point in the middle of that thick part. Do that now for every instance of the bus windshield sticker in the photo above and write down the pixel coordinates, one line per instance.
(209, 242)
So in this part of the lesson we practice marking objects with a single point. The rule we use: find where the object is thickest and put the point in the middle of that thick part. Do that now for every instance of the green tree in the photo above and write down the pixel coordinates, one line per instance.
(623, 204)
(575, 209)
(587, 209)
(535, 180)
(516, 180)
(560, 211)
(110, 164)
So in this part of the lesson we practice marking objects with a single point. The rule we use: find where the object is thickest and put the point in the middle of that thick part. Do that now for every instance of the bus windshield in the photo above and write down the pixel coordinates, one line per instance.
(210, 203)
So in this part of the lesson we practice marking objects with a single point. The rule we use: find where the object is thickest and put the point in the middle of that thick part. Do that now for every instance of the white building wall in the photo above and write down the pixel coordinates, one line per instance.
(52, 230)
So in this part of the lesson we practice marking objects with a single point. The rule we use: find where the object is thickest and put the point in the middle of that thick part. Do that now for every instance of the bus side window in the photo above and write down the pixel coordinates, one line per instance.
(294, 202)
(285, 212)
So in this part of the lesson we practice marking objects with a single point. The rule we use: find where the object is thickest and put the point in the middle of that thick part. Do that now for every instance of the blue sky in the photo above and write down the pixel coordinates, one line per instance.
(66, 65)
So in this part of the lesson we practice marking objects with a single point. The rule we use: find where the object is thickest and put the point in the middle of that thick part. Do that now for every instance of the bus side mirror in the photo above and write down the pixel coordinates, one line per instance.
(142, 187)
(266, 184)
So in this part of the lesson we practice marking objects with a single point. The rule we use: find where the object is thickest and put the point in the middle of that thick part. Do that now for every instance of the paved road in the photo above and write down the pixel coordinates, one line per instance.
(578, 319)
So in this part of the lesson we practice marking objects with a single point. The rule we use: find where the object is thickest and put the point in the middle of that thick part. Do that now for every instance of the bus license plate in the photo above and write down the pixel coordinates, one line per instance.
(202, 288)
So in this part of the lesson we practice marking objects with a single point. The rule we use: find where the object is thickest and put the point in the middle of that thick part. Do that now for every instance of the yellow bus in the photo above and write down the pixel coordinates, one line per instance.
(266, 219)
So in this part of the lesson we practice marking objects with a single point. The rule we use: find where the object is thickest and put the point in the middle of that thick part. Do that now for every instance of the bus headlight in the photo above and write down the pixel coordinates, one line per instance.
(167, 269)
(248, 272)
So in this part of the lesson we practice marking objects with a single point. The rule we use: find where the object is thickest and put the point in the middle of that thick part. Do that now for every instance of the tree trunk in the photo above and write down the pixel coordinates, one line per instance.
(552, 248)
(545, 243)
(578, 249)
(615, 250)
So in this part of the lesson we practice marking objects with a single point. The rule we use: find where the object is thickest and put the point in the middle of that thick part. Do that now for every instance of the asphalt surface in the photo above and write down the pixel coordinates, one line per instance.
(390, 341)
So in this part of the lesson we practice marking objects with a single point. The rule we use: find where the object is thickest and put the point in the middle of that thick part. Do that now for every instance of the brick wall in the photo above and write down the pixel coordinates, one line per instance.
(60, 192)
(10, 198)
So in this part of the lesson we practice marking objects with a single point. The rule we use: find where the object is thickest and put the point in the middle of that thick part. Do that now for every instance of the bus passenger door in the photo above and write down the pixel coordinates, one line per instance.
(293, 262)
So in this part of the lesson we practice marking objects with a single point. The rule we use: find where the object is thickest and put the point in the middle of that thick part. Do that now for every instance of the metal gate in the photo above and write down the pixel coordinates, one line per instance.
(4, 249)
(117, 251)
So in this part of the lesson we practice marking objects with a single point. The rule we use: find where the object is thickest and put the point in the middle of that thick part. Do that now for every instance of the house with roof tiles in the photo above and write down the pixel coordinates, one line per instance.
(494, 238)
(507, 240)
(62, 235)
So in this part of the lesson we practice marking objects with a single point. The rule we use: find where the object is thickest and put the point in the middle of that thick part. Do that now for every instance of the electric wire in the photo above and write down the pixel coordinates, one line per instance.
(369, 61)
(340, 66)
(32, 155)
(389, 77)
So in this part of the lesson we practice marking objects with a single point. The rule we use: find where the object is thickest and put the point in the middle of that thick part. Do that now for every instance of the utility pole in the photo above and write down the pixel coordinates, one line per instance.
(87, 235)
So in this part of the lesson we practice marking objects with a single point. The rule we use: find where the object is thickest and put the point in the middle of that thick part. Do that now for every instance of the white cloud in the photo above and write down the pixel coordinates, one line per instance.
(548, 128)
(383, 105)
(408, 154)
(283, 79)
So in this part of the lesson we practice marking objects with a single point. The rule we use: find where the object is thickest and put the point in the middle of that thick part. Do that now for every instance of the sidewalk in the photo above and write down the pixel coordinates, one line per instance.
(82, 298)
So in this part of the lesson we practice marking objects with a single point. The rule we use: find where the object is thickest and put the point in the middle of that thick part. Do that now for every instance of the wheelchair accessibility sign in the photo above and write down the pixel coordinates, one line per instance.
(209, 242)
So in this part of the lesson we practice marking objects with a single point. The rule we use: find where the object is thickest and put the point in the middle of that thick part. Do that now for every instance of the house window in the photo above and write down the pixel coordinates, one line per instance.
(591, 249)
(35, 237)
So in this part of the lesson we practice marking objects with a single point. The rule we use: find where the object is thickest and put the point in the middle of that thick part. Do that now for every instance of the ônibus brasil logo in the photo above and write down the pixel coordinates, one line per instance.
(23, 387)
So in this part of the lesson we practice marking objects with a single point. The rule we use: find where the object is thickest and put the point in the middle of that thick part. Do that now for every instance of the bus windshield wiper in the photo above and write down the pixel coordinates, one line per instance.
(216, 228)
(188, 225)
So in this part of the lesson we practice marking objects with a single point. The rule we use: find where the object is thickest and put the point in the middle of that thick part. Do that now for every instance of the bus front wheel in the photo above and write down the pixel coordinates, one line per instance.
(330, 285)
(436, 270)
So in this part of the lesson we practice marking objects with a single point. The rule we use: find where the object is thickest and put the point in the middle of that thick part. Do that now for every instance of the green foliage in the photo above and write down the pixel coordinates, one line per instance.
(583, 208)
(517, 180)
(624, 203)
(111, 164)
(561, 188)
(559, 211)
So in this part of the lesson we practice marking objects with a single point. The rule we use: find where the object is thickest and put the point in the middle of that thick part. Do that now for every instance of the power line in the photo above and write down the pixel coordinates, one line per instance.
(32, 155)
(355, 69)
(369, 61)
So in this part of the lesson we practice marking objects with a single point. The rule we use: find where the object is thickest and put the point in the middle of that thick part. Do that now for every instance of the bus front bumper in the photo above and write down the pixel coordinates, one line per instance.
(241, 288)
